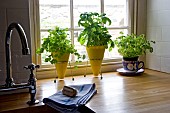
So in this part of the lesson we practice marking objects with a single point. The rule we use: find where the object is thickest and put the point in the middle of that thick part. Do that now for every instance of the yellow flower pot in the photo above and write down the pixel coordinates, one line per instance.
(61, 66)
(95, 54)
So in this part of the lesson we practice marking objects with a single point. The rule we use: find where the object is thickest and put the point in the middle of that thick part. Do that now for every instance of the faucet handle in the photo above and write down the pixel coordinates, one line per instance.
(32, 66)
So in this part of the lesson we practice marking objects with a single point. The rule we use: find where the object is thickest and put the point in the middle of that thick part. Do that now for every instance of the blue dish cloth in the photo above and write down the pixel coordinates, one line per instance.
(66, 104)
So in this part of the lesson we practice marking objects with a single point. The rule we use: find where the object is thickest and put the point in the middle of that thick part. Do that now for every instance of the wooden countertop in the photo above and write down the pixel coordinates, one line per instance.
(149, 92)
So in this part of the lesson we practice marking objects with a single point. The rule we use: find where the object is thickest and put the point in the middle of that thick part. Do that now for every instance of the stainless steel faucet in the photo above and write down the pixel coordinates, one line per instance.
(25, 49)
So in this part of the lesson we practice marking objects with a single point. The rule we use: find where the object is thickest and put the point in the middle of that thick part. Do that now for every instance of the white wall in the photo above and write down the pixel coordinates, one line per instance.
(158, 29)
(14, 11)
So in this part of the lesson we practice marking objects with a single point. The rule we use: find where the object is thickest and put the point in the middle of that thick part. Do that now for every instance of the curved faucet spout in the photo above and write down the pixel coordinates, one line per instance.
(23, 38)
(25, 49)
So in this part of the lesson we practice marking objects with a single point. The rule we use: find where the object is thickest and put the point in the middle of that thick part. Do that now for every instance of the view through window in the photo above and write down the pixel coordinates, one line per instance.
(65, 14)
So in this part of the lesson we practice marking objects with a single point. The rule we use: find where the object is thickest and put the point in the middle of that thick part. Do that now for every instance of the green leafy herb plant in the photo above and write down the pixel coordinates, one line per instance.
(57, 44)
(133, 45)
(95, 33)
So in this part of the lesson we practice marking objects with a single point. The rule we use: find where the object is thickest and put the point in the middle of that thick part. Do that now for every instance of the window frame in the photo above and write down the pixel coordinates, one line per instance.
(35, 33)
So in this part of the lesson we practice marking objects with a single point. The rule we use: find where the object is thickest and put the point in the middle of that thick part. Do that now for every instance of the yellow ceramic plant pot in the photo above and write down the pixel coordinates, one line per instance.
(96, 54)
(61, 66)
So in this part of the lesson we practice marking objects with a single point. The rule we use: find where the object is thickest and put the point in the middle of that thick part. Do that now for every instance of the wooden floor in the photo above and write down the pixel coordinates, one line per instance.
(146, 93)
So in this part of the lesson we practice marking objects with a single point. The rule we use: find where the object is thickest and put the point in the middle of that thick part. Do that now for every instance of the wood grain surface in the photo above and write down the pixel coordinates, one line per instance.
(145, 93)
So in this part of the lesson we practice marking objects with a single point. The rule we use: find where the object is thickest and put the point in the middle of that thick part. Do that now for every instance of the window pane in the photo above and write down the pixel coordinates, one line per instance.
(116, 10)
(54, 13)
(81, 49)
(114, 53)
(81, 6)
(43, 55)
(108, 55)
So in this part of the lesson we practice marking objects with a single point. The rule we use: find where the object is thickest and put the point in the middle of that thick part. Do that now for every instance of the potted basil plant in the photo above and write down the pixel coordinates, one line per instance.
(59, 48)
(131, 47)
(95, 37)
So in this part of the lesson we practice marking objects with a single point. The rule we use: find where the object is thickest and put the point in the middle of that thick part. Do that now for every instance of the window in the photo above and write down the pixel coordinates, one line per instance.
(65, 14)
